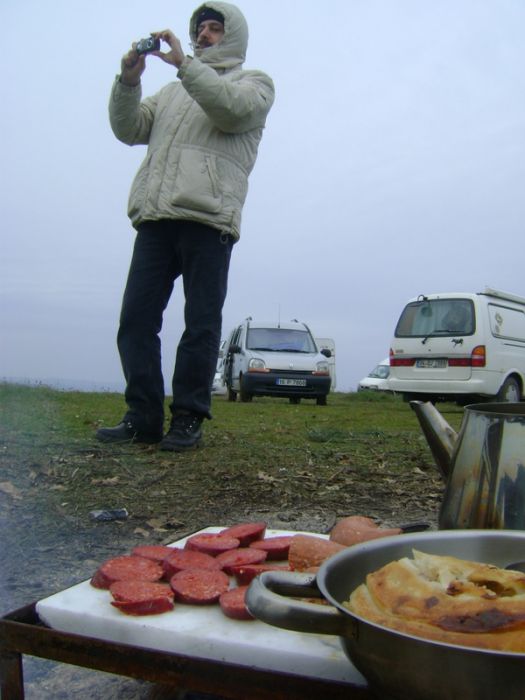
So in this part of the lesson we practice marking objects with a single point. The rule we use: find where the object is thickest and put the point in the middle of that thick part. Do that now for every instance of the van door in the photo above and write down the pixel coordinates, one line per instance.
(434, 339)
(507, 326)
(231, 362)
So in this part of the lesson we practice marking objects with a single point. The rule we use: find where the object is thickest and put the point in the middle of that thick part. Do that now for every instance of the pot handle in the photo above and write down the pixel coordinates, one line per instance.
(267, 598)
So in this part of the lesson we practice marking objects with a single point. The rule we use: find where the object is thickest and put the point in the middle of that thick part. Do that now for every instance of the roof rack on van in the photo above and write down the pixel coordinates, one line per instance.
(503, 295)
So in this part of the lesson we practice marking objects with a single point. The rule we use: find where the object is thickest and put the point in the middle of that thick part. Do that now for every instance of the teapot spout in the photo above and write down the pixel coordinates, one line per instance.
(440, 436)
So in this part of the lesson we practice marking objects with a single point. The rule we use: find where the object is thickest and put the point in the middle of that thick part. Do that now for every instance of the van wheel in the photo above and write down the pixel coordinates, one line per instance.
(245, 396)
(295, 399)
(321, 401)
(232, 395)
(510, 391)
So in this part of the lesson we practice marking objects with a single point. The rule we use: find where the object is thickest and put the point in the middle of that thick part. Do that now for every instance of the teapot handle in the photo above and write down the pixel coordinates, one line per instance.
(271, 598)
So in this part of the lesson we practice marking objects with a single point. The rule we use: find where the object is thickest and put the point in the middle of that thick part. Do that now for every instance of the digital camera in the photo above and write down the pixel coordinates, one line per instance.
(147, 45)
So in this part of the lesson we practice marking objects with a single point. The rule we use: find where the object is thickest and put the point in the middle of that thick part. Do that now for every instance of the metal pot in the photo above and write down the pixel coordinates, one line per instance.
(483, 465)
(396, 665)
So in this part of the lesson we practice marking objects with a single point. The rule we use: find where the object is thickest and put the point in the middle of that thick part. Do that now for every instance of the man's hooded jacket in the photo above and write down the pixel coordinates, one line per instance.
(202, 132)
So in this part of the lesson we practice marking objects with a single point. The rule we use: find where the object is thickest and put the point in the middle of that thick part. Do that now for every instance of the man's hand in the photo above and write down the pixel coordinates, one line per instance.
(132, 67)
(175, 56)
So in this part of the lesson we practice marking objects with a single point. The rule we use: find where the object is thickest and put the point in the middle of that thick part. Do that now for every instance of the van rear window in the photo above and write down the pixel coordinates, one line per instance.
(439, 317)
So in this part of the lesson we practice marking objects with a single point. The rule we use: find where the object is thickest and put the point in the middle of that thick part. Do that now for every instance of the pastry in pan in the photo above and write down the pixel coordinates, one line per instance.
(447, 600)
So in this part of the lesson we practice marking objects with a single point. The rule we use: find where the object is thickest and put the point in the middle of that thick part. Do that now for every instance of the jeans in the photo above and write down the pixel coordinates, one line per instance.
(163, 251)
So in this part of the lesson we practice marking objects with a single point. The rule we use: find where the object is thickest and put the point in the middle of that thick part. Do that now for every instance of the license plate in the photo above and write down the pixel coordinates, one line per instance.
(291, 382)
(432, 364)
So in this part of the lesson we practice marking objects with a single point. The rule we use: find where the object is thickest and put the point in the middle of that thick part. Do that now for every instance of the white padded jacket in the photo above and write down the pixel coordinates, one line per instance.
(202, 132)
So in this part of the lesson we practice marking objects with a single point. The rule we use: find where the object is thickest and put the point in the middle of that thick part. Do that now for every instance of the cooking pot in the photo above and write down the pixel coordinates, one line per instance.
(397, 666)
(483, 465)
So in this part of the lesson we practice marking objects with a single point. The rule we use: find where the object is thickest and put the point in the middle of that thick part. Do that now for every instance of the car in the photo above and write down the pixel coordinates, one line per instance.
(377, 380)
(218, 387)
(275, 358)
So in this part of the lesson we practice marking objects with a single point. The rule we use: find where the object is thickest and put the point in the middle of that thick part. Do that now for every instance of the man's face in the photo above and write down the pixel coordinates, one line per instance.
(209, 33)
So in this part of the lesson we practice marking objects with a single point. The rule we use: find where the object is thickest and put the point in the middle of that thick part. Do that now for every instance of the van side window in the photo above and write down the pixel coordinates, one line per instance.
(440, 317)
(506, 322)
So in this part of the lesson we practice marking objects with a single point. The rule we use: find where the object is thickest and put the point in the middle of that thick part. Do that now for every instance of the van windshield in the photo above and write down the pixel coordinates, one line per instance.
(280, 340)
(436, 317)
(380, 372)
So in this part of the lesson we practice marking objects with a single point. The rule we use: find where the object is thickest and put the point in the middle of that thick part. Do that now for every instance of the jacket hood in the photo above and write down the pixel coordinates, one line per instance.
(231, 50)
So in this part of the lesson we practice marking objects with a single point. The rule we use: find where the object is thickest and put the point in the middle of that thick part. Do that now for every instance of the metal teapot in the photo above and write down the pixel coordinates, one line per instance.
(483, 464)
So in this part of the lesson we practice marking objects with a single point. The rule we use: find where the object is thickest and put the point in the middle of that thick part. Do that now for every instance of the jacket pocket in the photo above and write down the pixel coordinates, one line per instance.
(196, 183)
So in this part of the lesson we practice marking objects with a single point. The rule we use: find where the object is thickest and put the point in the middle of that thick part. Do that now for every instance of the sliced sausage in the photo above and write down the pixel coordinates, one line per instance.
(276, 547)
(245, 573)
(134, 591)
(233, 604)
(356, 528)
(236, 557)
(156, 552)
(126, 568)
(308, 551)
(141, 597)
(199, 586)
(212, 543)
(364, 535)
(246, 532)
(181, 559)
(152, 606)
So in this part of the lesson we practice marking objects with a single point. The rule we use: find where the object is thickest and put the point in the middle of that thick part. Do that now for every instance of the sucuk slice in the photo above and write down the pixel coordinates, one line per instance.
(236, 557)
(356, 528)
(246, 532)
(199, 586)
(141, 597)
(181, 559)
(276, 547)
(155, 552)
(126, 568)
(309, 551)
(245, 573)
(233, 604)
(153, 606)
(135, 591)
(211, 543)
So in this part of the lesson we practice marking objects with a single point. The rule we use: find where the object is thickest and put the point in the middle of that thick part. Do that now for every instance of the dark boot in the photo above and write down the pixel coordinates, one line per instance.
(125, 431)
(184, 434)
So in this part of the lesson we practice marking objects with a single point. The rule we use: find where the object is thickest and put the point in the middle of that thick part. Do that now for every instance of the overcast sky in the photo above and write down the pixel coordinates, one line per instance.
(393, 164)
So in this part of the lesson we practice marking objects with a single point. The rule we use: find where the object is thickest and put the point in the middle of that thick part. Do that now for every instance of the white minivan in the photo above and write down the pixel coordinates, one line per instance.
(461, 347)
(266, 358)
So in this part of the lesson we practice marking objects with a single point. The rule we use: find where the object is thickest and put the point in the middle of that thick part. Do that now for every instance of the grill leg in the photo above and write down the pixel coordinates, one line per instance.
(11, 676)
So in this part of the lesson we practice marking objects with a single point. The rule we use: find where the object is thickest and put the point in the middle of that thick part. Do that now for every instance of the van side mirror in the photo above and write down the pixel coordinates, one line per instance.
(326, 352)
(234, 349)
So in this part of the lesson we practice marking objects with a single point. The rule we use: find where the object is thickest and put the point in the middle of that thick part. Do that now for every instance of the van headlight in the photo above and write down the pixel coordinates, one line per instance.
(257, 365)
(322, 368)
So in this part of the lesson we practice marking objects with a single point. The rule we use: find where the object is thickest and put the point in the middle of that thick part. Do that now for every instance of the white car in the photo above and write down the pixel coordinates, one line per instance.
(218, 388)
(377, 380)
(276, 358)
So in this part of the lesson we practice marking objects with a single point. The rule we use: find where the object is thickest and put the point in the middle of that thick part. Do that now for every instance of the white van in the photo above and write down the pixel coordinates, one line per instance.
(328, 344)
(460, 347)
(276, 359)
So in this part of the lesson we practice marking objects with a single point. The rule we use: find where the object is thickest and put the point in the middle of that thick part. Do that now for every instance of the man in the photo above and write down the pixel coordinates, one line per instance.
(203, 133)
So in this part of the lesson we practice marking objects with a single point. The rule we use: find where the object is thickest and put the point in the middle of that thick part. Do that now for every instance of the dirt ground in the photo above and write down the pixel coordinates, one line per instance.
(48, 545)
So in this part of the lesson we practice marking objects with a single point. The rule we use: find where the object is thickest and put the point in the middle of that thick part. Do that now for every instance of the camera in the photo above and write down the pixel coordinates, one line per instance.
(147, 45)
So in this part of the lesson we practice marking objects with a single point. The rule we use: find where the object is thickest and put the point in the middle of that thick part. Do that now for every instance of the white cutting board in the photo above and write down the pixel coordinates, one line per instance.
(200, 631)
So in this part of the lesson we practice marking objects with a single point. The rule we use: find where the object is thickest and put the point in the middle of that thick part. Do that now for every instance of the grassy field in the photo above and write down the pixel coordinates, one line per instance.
(78, 414)
(362, 453)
